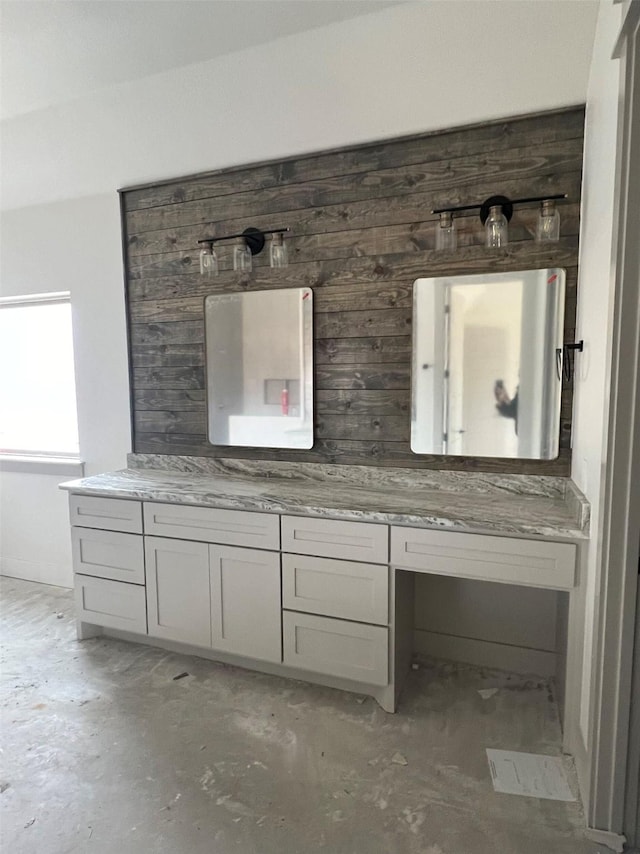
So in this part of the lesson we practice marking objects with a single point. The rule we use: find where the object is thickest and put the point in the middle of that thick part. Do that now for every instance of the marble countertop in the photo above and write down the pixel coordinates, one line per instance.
(558, 513)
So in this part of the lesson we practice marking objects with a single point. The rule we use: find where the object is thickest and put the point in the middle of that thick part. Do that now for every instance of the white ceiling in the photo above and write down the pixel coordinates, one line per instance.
(58, 50)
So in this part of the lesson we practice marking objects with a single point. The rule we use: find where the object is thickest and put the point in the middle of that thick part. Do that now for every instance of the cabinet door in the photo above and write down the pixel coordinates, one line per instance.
(178, 590)
(245, 602)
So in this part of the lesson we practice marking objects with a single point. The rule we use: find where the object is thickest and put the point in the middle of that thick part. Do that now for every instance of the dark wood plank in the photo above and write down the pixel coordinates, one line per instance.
(369, 377)
(181, 332)
(362, 402)
(168, 310)
(365, 324)
(529, 130)
(175, 400)
(362, 351)
(170, 422)
(167, 355)
(168, 378)
(501, 167)
(365, 428)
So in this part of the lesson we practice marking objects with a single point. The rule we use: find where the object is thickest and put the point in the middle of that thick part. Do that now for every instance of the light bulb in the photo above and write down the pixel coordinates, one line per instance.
(208, 261)
(242, 259)
(446, 233)
(278, 251)
(496, 228)
(548, 225)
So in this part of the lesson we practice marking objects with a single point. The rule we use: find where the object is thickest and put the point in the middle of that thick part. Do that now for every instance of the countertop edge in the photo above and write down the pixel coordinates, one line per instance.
(269, 505)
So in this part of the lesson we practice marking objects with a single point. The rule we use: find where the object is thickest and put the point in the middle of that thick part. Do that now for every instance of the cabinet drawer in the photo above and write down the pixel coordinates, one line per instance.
(108, 554)
(336, 647)
(112, 604)
(534, 563)
(209, 525)
(332, 538)
(111, 514)
(337, 588)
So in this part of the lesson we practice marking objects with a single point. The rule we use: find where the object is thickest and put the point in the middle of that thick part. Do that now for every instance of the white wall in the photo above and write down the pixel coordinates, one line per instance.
(595, 304)
(411, 68)
(68, 245)
(34, 534)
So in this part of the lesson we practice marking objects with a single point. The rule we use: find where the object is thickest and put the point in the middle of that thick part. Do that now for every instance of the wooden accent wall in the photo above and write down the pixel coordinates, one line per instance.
(362, 232)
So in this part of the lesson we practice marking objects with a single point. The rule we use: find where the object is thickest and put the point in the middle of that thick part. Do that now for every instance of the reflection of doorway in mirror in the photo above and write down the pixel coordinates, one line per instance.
(485, 329)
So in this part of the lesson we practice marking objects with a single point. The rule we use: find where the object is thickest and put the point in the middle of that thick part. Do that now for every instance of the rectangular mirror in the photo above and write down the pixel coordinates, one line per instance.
(259, 363)
(484, 376)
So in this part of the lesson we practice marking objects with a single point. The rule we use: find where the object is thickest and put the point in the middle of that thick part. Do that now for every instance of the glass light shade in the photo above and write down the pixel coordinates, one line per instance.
(278, 251)
(242, 260)
(548, 225)
(446, 233)
(496, 228)
(208, 261)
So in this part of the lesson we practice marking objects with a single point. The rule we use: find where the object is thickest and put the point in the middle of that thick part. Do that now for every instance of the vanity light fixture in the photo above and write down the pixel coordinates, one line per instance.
(251, 242)
(495, 213)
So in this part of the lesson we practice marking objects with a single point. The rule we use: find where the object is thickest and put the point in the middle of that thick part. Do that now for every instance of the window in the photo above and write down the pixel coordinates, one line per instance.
(37, 383)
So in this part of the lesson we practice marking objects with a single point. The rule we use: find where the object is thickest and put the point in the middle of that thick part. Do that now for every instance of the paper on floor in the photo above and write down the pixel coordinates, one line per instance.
(530, 774)
(486, 693)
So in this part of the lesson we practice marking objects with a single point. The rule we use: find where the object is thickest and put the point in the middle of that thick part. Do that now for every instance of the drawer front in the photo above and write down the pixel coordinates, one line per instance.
(336, 647)
(534, 563)
(336, 588)
(108, 554)
(227, 527)
(332, 538)
(111, 604)
(110, 514)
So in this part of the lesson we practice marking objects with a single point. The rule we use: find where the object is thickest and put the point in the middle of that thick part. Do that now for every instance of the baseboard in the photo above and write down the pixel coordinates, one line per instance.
(573, 743)
(614, 841)
(485, 653)
(45, 573)
(384, 695)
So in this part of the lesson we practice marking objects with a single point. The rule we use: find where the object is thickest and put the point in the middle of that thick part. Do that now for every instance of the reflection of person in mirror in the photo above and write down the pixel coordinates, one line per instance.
(506, 406)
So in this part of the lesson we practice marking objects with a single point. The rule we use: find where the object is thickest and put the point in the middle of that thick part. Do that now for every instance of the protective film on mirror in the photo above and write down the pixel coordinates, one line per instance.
(259, 364)
(484, 375)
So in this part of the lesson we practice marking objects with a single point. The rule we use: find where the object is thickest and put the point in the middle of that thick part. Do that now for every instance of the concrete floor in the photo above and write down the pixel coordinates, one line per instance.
(104, 753)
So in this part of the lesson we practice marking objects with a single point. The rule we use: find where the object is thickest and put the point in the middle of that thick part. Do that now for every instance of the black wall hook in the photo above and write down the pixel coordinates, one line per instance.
(564, 363)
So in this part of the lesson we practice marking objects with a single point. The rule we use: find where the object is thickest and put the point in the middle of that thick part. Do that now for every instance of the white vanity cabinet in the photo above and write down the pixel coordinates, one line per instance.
(327, 600)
